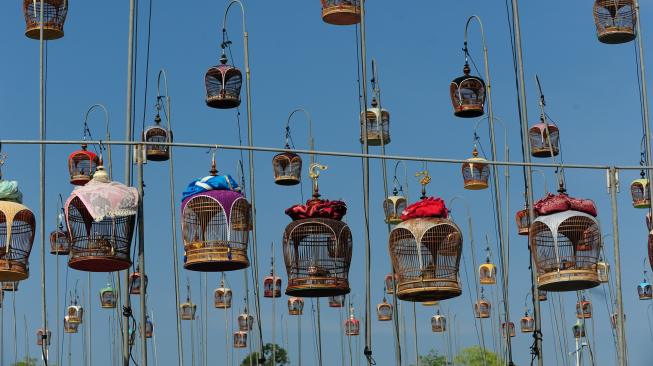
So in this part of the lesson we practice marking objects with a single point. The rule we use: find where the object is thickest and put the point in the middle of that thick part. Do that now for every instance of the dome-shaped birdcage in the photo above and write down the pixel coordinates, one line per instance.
(482, 309)
(149, 327)
(578, 329)
(468, 95)
(60, 240)
(54, 17)
(393, 206)
(135, 282)
(639, 192)
(615, 20)
(245, 321)
(10, 286)
(75, 312)
(17, 227)
(101, 217)
(565, 248)
(223, 83)
(476, 172)
(438, 323)
(544, 143)
(378, 125)
(43, 337)
(337, 301)
(341, 12)
(487, 273)
(352, 325)
(108, 297)
(527, 323)
(69, 327)
(157, 134)
(222, 297)
(82, 165)
(425, 254)
(389, 284)
(583, 309)
(287, 168)
(542, 295)
(384, 311)
(511, 329)
(295, 306)
(644, 290)
(272, 286)
(215, 226)
(187, 310)
(240, 339)
(603, 271)
(523, 221)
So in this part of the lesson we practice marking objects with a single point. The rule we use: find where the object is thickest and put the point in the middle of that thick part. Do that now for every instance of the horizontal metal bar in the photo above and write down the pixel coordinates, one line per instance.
(317, 152)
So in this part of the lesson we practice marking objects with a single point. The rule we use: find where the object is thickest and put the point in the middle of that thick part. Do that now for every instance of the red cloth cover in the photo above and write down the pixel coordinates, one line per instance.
(427, 207)
(318, 209)
(554, 203)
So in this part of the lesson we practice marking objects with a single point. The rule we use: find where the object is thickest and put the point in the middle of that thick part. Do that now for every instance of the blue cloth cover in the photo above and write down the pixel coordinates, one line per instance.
(209, 183)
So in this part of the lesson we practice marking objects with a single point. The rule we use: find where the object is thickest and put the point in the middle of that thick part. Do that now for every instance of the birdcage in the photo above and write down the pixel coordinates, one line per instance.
(511, 330)
(603, 271)
(337, 301)
(43, 337)
(425, 254)
(615, 20)
(157, 134)
(583, 309)
(223, 83)
(650, 249)
(82, 164)
(245, 321)
(544, 138)
(639, 191)
(438, 323)
(10, 286)
(69, 327)
(135, 282)
(476, 172)
(393, 206)
(523, 221)
(482, 309)
(352, 325)
(240, 339)
(215, 228)
(614, 318)
(565, 248)
(75, 313)
(187, 310)
(578, 329)
(487, 273)
(384, 311)
(468, 95)
(341, 12)
(527, 323)
(317, 254)
(295, 306)
(17, 227)
(287, 168)
(54, 17)
(149, 327)
(222, 297)
(101, 217)
(644, 290)
(108, 297)
(377, 123)
(389, 284)
(272, 286)
(59, 242)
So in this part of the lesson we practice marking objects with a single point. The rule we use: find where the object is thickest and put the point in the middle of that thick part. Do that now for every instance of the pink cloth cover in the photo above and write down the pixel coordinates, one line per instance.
(104, 200)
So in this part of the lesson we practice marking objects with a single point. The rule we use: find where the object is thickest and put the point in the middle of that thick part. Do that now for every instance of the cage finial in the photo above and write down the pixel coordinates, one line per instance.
(424, 181)
(314, 174)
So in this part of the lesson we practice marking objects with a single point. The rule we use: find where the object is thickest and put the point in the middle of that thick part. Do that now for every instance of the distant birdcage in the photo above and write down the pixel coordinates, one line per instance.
(487, 273)
(272, 286)
(54, 17)
(59, 242)
(149, 327)
(82, 164)
(578, 329)
(287, 168)
(10, 286)
(187, 310)
(523, 221)
(438, 323)
(384, 311)
(377, 123)
(468, 95)
(240, 339)
(542, 295)
(640, 192)
(510, 331)
(482, 309)
(341, 12)
(108, 297)
(295, 306)
(527, 323)
(615, 20)
(603, 271)
(337, 301)
(644, 290)
(476, 172)
(245, 321)
(75, 312)
(223, 83)
(135, 282)
(43, 337)
(389, 284)
(352, 325)
(69, 327)
(222, 297)
(157, 134)
(583, 309)
(544, 138)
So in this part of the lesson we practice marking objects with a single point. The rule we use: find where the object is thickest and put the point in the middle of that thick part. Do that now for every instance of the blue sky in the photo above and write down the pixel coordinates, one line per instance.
(297, 60)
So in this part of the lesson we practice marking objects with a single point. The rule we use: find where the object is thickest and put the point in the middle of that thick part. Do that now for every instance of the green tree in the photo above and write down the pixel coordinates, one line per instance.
(281, 358)
(433, 358)
(473, 356)
(28, 361)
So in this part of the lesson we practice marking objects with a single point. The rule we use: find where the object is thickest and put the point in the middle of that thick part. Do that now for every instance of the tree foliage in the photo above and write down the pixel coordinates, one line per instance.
(28, 361)
(281, 357)
(433, 358)
(473, 356)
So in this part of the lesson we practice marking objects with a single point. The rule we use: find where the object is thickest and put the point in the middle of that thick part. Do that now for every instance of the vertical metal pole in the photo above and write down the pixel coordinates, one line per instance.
(274, 310)
(537, 334)
(56, 317)
(621, 333)
(415, 333)
(319, 334)
(299, 340)
(44, 319)
(141, 252)
(90, 321)
(2, 329)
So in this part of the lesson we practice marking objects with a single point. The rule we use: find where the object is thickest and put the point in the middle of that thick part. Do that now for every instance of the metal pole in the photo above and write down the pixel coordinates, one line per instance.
(528, 177)
(299, 340)
(141, 252)
(44, 319)
(319, 334)
(2, 329)
(621, 333)
(90, 324)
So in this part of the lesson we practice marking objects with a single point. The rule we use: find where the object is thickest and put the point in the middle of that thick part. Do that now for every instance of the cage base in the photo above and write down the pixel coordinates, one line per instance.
(317, 290)
(384, 318)
(426, 293)
(157, 155)
(615, 35)
(287, 180)
(49, 33)
(341, 15)
(475, 185)
(14, 274)
(59, 251)
(488, 281)
(98, 264)
(219, 102)
(216, 260)
(642, 204)
(469, 111)
(376, 140)
(543, 152)
(79, 180)
(568, 280)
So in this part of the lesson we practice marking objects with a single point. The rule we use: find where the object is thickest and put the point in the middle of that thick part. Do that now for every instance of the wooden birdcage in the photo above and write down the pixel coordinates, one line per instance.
(54, 17)
(17, 227)
(565, 248)
(639, 192)
(583, 309)
(425, 254)
(542, 295)
(352, 325)
(101, 218)
(187, 310)
(272, 286)
(317, 254)
(43, 337)
(135, 283)
(337, 301)
(393, 206)
(157, 134)
(223, 83)
(222, 297)
(527, 323)
(69, 327)
(482, 309)
(511, 330)
(295, 306)
(108, 297)
(615, 20)
(468, 95)
(287, 168)
(10, 286)
(82, 164)
(240, 339)
(149, 327)
(341, 12)
(578, 329)
(523, 221)
(215, 226)
(487, 273)
(378, 125)
(614, 318)
(438, 323)
(644, 290)
(75, 313)
(245, 321)
(603, 271)
(384, 311)
(59, 242)
(544, 143)
(389, 284)
(476, 172)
